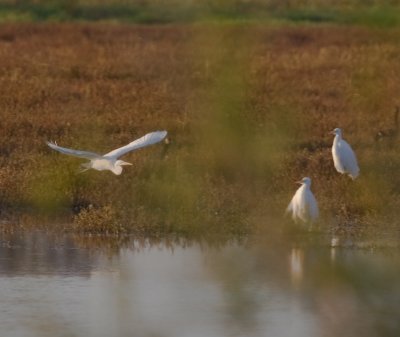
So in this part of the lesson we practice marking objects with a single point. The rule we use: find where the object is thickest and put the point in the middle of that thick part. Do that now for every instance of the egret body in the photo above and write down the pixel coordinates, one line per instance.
(344, 159)
(303, 205)
(110, 160)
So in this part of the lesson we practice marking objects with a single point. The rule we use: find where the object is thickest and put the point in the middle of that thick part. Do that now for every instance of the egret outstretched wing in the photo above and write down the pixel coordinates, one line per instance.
(75, 153)
(146, 140)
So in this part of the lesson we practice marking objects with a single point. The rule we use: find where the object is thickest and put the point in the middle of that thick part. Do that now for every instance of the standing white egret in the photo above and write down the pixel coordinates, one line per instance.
(110, 161)
(344, 159)
(303, 204)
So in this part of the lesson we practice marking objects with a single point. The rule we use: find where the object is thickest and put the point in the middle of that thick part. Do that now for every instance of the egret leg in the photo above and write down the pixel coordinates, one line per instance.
(82, 170)
(84, 167)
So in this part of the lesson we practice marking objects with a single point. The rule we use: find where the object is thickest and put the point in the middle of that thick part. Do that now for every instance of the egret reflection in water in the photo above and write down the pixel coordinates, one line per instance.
(296, 265)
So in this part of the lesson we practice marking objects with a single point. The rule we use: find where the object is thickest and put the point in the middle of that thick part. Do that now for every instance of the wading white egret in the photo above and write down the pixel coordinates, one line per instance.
(303, 204)
(110, 160)
(344, 159)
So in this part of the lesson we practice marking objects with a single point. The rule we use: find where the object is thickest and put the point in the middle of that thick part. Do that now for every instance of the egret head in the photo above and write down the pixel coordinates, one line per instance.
(305, 181)
(117, 168)
(121, 163)
(337, 132)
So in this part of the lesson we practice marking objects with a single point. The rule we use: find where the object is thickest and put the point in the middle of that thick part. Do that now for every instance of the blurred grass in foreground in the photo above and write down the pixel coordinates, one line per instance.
(371, 13)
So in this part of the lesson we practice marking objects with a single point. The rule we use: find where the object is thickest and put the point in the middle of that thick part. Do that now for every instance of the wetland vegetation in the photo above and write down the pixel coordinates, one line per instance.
(248, 109)
(375, 13)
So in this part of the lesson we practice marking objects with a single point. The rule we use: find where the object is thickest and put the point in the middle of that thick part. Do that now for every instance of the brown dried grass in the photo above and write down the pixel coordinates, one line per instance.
(248, 110)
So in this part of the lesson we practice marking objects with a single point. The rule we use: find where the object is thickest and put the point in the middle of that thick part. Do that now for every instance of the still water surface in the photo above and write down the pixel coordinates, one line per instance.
(63, 287)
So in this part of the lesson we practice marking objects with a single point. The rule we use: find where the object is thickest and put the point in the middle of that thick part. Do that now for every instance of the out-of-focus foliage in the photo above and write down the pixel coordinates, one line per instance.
(372, 12)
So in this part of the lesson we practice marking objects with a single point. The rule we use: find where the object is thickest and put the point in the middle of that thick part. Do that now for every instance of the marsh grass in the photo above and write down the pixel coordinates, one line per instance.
(368, 13)
(248, 110)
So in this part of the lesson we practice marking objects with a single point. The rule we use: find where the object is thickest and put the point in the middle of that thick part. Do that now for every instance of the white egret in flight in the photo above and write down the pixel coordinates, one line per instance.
(303, 204)
(110, 160)
(344, 159)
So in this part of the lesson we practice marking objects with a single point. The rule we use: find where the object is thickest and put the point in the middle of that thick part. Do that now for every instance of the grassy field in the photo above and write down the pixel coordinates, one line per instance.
(248, 109)
(370, 13)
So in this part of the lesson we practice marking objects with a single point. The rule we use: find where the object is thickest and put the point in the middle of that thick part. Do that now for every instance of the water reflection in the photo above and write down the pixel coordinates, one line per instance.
(296, 265)
(34, 253)
(64, 286)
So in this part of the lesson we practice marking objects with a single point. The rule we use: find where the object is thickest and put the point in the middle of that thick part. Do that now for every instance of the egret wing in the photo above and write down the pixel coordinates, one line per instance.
(146, 140)
(337, 159)
(289, 208)
(294, 204)
(313, 206)
(349, 159)
(75, 153)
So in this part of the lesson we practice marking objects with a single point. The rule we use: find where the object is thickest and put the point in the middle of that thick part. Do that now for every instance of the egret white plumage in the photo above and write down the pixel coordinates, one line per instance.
(110, 160)
(303, 205)
(344, 159)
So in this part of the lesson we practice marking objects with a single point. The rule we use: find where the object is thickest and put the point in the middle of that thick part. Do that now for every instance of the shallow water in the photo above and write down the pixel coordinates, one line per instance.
(62, 287)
